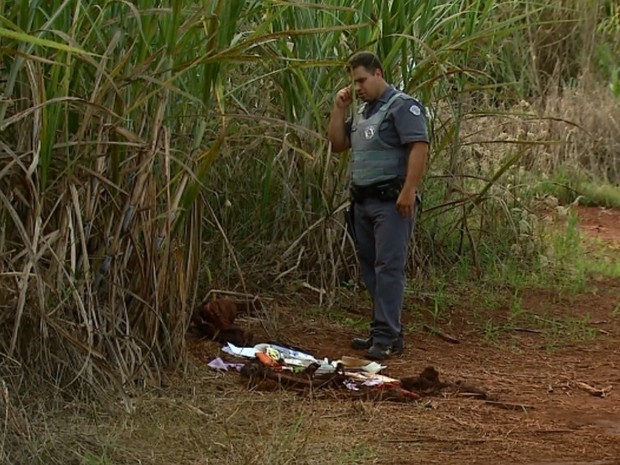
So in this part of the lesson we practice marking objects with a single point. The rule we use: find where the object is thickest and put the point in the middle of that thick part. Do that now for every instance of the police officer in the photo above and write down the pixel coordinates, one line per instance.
(390, 147)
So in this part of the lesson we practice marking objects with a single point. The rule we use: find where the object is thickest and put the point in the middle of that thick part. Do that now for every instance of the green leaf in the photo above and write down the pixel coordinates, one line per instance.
(23, 37)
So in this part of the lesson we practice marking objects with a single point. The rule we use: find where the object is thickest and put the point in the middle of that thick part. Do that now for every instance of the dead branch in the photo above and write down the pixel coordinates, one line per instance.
(527, 330)
(441, 335)
(603, 392)
(469, 390)
(508, 405)
(255, 372)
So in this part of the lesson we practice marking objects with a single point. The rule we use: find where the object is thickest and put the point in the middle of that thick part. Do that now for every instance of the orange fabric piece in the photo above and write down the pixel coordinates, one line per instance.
(266, 360)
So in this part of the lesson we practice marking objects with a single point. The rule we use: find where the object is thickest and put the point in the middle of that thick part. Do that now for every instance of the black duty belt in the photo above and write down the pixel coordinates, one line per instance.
(385, 190)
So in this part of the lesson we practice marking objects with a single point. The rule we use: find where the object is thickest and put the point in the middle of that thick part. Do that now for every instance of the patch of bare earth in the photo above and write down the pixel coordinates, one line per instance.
(558, 390)
(602, 223)
(560, 422)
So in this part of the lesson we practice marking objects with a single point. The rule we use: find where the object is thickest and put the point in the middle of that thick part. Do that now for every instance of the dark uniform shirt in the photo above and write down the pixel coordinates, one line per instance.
(404, 123)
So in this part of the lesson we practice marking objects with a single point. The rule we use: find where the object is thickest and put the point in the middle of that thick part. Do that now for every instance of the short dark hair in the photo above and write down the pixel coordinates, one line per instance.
(368, 60)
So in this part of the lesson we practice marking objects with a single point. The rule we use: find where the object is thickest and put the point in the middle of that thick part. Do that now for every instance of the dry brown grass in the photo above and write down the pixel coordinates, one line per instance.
(572, 129)
(205, 418)
(592, 145)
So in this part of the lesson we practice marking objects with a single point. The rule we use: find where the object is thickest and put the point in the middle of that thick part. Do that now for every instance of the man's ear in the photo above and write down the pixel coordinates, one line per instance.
(378, 72)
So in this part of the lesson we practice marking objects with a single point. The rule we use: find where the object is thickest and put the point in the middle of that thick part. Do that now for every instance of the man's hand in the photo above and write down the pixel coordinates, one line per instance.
(336, 130)
(344, 98)
(405, 204)
(418, 154)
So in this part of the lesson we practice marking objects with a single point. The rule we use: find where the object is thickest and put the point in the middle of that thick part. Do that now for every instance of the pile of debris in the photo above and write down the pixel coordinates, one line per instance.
(271, 365)
(277, 366)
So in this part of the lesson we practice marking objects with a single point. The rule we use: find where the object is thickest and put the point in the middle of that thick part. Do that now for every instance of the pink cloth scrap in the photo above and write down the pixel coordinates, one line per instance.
(219, 364)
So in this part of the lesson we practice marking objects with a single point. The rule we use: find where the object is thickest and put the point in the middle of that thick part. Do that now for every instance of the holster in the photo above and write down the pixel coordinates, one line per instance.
(349, 218)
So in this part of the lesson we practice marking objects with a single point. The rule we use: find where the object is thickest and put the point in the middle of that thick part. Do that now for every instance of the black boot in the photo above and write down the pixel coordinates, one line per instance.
(359, 343)
(380, 351)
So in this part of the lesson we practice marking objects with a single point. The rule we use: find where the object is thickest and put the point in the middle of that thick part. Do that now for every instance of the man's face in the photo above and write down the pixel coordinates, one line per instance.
(368, 86)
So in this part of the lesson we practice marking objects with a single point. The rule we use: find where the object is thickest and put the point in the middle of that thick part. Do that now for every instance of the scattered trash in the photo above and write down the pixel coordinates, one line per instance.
(219, 364)
(268, 360)
(232, 349)
(273, 366)
(351, 385)
(353, 363)
(286, 352)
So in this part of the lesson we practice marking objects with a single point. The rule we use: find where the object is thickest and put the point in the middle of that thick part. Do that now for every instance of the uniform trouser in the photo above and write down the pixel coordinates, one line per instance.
(383, 237)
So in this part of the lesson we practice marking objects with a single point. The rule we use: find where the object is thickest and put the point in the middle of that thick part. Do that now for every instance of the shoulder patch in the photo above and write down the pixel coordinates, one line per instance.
(415, 110)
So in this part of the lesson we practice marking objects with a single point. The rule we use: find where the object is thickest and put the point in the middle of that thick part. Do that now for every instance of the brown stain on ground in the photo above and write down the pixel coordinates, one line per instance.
(567, 425)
